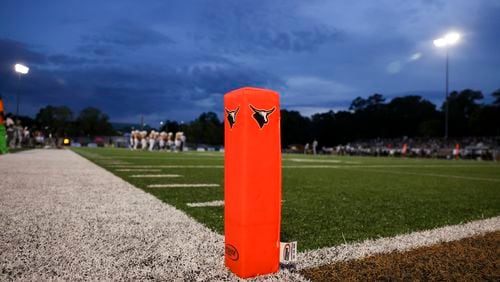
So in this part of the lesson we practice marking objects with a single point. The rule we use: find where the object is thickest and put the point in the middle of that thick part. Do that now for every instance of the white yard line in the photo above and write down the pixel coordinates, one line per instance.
(163, 157)
(173, 185)
(168, 166)
(206, 204)
(154, 175)
(399, 243)
(138, 169)
(311, 166)
(313, 161)
(113, 162)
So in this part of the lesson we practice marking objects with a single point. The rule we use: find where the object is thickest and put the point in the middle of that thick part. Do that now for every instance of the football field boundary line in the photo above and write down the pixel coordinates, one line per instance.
(378, 246)
(399, 243)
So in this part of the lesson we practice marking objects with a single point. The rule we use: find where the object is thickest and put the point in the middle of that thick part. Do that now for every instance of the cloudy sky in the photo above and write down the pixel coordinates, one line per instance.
(176, 59)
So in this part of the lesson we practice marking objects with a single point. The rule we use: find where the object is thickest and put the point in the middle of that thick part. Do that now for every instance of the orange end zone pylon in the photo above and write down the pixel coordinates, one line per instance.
(252, 181)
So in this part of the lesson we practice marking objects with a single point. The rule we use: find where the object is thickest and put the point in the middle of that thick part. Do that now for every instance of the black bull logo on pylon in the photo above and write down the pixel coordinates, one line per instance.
(261, 116)
(231, 116)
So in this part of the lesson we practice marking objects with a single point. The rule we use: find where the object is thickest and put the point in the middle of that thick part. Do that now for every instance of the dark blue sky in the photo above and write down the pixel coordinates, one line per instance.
(176, 59)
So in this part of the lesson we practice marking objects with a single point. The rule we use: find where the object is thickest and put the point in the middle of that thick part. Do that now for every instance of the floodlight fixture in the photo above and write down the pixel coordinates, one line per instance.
(443, 42)
(449, 39)
(22, 69)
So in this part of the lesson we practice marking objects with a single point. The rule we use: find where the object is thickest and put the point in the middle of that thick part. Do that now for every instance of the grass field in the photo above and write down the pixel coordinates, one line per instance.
(327, 200)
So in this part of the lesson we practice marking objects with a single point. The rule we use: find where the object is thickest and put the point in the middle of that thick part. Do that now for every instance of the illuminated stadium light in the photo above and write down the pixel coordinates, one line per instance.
(452, 37)
(445, 41)
(440, 42)
(22, 69)
(449, 39)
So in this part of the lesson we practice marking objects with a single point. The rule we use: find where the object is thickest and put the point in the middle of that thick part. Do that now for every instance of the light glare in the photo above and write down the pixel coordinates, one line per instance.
(452, 37)
(21, 68)
(440, 42)
(449, 39)
(415, 56)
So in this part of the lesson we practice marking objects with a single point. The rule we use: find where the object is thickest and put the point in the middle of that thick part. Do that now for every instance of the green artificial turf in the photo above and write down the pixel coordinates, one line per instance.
(329, 200)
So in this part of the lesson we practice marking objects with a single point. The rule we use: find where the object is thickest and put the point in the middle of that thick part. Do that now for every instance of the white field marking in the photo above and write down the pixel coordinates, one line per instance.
(169, 166)
(206, 204)
(154, 175)
(182, 185)
(313, 161)
(111, 161)
(138, 169)
(204, 154)
(436, 175)
(163, 157)
(398, 243)
(311, 166)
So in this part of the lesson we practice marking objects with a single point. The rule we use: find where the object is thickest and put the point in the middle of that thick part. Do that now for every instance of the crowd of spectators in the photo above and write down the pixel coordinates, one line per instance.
(19, 136)
(484, 148)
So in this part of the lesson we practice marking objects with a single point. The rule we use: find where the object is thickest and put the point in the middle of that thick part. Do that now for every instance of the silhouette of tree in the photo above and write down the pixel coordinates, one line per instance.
(57, 120)
(92, 122)
(496, 96)
(294, 128)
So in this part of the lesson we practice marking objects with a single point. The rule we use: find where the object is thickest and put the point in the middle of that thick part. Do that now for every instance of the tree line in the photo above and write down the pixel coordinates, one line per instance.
(61, 122)
(411, 116)
(366, 118)
(372, 117)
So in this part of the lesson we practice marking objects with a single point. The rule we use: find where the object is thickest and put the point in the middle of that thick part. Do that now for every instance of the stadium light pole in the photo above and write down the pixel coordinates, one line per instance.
(443, 42)
(20, 70)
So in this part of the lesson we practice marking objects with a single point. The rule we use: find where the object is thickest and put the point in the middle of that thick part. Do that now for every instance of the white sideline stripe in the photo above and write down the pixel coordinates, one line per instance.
(182, 185)
(169, 166)
(399, 243)
(138, 169)
(437, 175)
(206, 204)
(154, 175)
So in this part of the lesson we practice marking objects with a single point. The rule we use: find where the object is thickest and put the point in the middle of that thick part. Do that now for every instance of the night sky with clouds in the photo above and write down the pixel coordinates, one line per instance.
(176, 59)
